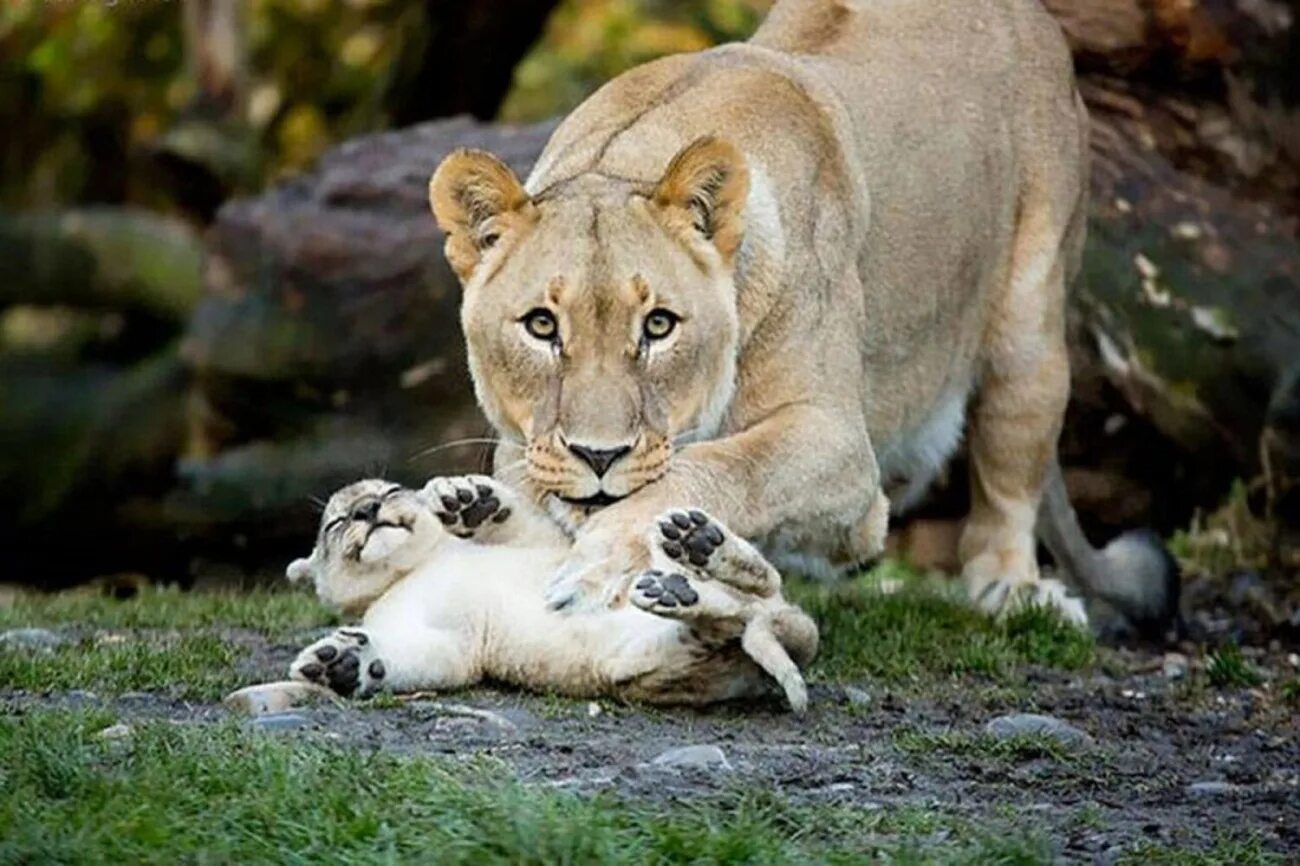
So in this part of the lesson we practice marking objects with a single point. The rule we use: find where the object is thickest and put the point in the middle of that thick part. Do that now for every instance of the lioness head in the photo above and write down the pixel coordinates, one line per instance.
(372, 533)
(600, 313)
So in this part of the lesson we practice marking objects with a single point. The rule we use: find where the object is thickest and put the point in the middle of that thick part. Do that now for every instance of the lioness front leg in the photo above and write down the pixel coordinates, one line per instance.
(756, 481)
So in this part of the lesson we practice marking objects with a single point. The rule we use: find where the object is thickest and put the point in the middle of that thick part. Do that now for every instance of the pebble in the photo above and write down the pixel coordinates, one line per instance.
(267, 699)
(593, 709)
(1175, 666)
(692, 758)
(31, 638)
(857, 697)
(1212, 789)
(278, 721)
(1032, 724)
(115, 732)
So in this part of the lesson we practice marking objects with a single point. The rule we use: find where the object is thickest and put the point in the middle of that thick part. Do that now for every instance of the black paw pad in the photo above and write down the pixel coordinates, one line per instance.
(343, 675)
(690, 535)
(470, 508)
(667, 590)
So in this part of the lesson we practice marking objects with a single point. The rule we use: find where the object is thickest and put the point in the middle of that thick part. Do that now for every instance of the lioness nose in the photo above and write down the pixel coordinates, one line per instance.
(367, 510)
(599, 459)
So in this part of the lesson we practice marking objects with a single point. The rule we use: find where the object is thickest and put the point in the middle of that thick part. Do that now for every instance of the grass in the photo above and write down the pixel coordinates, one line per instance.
(924, 630)
(920, 632)
(269, 611)
(1226, 667)
(194, 666)
(1004, 750)
(1226, 852)
(178, 793)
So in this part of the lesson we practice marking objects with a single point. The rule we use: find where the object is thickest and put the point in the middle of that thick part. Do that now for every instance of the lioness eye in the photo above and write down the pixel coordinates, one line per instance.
(541, 324)
(659, 324)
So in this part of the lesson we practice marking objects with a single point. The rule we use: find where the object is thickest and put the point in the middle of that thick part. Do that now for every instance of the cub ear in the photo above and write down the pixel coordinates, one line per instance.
(704, 190)
(474, 196)
(301, 569)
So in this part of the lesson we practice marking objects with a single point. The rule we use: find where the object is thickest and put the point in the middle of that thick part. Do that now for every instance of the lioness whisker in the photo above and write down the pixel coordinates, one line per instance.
(474, 440)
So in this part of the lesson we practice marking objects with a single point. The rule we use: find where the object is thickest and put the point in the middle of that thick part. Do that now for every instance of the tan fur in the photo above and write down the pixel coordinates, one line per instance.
(865, 217)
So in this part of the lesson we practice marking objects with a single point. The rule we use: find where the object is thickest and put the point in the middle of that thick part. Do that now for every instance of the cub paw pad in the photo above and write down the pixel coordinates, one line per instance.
(690, 535)
(463, 505)
(655, 588)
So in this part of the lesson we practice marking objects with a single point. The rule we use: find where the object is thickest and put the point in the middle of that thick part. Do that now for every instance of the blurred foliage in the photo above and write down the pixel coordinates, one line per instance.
(588, 42)
(92, 87)
(90, 90)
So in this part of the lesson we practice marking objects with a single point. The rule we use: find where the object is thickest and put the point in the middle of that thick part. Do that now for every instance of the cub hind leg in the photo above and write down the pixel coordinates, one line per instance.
(724, 588)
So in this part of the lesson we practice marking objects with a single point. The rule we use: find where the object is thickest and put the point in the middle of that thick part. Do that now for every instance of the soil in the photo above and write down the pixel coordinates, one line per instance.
(1172, 763)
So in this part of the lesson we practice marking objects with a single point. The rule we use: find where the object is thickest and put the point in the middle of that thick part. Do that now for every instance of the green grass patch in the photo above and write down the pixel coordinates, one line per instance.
(1226, 667)
(222, 794)
(924, 629)
(1007, 750)
(196, 666)
(269, 611)
(1226, 852)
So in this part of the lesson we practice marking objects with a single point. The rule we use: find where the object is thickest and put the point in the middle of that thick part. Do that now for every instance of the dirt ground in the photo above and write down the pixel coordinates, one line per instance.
(1170, 762)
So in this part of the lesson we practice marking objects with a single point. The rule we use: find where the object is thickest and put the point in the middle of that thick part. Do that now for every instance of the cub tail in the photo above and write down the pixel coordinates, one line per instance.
(1134, 574)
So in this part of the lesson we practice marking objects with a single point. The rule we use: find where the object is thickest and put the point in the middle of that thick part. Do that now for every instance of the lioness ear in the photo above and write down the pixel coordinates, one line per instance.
(704, 190)
(473, 196)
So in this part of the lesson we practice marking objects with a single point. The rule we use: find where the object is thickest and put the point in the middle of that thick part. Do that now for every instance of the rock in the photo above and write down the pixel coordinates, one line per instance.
(270, 698)
(1175, 666)
(1213, 788)
(116, 732)
(857, 697)
(278, 721)
(31, 638)
(594, 709)
(1031, 724)
(692, 758)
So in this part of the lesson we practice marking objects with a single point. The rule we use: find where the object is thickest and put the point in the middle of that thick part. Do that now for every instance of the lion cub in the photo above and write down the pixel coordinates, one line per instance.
(451, 581)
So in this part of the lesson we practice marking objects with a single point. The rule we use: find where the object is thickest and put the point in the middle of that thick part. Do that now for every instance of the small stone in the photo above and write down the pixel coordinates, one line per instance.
(270, 698)
(1175, 666)
(593, 710)
(278, 721)
(1212, 789)
(692, 758)
(857, 697)
(31, 638)
(1032, 724)
(115, 732)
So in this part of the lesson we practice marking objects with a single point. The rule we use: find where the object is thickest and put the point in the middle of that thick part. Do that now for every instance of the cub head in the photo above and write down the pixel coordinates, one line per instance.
(600, 313)
(371, 535)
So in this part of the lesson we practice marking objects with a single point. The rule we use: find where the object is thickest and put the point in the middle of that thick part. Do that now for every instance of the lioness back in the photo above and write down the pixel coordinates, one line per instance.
(897, 139)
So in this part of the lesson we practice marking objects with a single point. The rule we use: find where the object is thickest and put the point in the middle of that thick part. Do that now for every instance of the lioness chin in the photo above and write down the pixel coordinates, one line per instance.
(780, 279)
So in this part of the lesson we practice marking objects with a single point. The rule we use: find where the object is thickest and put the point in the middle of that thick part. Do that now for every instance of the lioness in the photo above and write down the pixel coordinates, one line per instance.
(450, 580)
(778, 279)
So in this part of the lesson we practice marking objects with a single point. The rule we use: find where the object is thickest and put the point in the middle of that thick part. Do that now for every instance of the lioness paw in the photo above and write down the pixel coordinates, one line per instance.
(1001, 597)
(470, 506)
(345, 662)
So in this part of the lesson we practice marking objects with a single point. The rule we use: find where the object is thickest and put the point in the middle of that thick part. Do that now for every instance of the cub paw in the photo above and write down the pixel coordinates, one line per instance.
(345, 662)
(1001, 597)
(690, 537)
(658, 592)
(468, 505)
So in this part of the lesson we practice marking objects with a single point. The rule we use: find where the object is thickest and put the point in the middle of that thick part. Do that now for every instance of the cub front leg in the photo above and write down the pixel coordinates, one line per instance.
(346, 662)
(488, 511)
